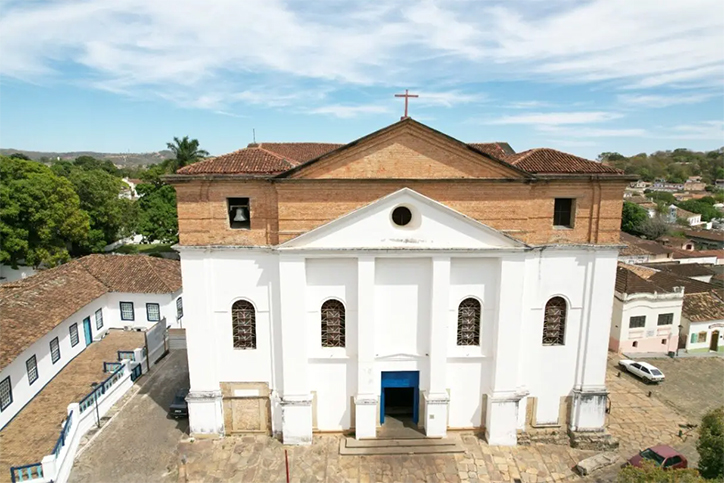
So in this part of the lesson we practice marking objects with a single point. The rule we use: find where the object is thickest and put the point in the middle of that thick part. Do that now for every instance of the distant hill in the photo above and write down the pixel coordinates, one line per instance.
(119, 159)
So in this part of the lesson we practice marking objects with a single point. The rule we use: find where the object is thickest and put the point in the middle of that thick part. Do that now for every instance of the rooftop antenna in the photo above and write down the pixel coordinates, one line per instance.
(253, 135)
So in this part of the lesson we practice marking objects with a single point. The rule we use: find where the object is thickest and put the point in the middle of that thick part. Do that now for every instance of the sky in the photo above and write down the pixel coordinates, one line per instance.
(584, 77)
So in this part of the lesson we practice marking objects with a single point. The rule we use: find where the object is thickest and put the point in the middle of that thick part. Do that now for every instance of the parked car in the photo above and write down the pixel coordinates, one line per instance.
(179, 408)
(660, 455)
(644, 370)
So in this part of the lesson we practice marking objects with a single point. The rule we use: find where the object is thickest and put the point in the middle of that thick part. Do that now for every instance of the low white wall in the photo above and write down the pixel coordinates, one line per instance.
(57, 468)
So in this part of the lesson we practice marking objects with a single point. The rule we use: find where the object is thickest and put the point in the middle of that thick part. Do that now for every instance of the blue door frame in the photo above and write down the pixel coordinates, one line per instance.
(401, 379)
(87, 331)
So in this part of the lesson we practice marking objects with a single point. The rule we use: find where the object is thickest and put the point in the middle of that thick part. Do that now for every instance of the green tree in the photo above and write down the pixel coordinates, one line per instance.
(186, 151)
(706, 210)
(653, 228)
(20, 156)
(89, 163)
(157, 218)
(98, 192)
(667, 198)
(711, 444)
(651, 473)
(632, 216)
(40, 214)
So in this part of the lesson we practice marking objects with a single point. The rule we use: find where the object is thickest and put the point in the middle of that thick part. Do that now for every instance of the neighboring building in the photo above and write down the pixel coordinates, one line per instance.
(468, 286)
(646, 317)
(719, 183)
(676, 242)
(703, 323)
(661, 185)
(694, 184)
(707, 239)
(706, 257)
(129, 191)
(676, 213)
(49, 318)
(694, 271)
(638, 250)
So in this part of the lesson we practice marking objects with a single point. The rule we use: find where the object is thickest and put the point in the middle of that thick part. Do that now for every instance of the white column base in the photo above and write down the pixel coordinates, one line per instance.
(589, 409)
(365, 416)
(501, 420)
(206, 413)
(436, 407)
(297, 420)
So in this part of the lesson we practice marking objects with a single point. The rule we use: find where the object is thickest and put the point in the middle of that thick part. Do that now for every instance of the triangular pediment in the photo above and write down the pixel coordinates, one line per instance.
(406, 150)
(433, 226)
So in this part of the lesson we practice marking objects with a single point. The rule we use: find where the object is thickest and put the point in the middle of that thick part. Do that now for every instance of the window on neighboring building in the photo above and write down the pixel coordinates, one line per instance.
(702, 337)
(333, 326)
(693, 338)
(179, 308)
(74, 335)
(563, 212)
(127, 312)
(239, 213)
(32, 366)
(637, 322)
(469, 322)
(663, 341)
(665, 319)
(243, 320)
(99, 319)
(153, 312)
(54, 350)
(554, 322)
(6, 393)
(636, 343)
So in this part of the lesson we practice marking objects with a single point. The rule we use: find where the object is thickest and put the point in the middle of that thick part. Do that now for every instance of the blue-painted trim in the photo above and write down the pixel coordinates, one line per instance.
(87, 331)
(28, 474)
(401, 379)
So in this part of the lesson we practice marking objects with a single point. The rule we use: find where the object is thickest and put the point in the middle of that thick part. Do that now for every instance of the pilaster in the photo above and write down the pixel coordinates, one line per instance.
(367, 390)
(296, 402)
(436, 397)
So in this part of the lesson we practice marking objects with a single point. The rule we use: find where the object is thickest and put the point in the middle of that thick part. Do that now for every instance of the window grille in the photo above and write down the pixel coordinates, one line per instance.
(179, 308)
(665, 319)
(637, 322)
(74, 335)
(469, 322)
(127, 312)
(6, 393)
(99, 319)
(243, 319)
(333, 324)
(153, 312)
(32, 366)
(554, 322)
(54, 350)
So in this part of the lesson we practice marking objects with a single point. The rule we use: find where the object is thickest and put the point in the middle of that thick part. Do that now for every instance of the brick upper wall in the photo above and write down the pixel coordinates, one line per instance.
(282, 210)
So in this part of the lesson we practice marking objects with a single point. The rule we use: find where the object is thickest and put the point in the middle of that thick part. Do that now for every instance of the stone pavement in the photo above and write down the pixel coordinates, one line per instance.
(33, 432)
(259, 458)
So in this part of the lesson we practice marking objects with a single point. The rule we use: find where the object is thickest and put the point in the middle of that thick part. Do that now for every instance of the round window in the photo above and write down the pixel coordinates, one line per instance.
(401, 216)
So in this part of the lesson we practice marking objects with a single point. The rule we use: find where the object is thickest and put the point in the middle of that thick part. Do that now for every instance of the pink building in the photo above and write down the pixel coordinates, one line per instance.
(646, 316)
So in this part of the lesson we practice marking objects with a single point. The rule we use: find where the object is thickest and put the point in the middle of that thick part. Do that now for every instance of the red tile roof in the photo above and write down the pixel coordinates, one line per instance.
(275, 158)
(550, 161)
(702, 307)
(32, 307)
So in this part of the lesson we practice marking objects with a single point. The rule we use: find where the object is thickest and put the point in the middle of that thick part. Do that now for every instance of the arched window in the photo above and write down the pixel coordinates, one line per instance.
(469, 322)
(554, 322)
(243, 321)
(333, 324)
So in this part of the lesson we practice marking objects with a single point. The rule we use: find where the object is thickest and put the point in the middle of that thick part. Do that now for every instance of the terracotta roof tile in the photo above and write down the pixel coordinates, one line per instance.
(683, 269)
(550, 161)
(698, 253)
(300, 153)
(497, 150)
(639, 246)
(246, 161)
(629, 282)
(702, 307)
(706, 234)
(31, 307)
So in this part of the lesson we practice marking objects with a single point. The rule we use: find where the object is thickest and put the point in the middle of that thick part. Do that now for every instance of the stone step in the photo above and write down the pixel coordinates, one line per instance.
(353, 447)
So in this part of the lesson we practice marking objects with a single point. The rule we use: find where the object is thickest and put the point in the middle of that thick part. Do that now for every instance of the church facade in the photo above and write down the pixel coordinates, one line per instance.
(403, 275)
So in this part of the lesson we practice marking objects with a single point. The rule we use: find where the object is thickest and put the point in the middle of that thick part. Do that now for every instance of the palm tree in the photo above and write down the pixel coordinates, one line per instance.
(186, 150)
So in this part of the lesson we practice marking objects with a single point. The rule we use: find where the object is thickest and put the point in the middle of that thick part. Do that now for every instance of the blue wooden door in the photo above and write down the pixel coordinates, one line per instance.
(401, 379)
(87, 331)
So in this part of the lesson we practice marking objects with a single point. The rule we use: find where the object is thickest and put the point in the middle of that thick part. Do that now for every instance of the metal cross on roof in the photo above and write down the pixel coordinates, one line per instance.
(407, 96)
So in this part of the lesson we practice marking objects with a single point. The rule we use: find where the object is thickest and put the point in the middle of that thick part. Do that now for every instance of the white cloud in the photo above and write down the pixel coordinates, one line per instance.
(705, 130)
(652, 100)
(556, 118)
(211, 52)
(446, 99)
(346, 112)
(528, 104)
(593, 132)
